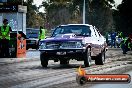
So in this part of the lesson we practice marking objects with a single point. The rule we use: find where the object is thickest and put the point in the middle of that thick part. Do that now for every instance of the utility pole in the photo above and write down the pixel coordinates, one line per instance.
(84, 12)
(22, 2)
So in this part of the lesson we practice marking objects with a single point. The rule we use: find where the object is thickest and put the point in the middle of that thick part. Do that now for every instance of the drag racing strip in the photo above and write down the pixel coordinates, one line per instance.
(118, 69)
(62, 77)
(73, 84)
(30, 74)
(50, 77)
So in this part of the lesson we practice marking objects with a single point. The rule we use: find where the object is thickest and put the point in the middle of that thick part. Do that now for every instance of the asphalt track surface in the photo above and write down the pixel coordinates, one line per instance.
(30, 74)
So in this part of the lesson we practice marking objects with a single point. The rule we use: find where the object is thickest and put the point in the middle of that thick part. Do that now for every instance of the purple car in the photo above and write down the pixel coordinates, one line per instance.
(81, 42)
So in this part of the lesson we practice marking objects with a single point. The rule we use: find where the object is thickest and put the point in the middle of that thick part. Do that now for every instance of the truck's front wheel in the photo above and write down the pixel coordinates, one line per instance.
(87, 58)
(44, 60)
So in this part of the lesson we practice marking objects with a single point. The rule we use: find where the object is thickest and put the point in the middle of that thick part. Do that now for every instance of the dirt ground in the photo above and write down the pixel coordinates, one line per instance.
(30, 74)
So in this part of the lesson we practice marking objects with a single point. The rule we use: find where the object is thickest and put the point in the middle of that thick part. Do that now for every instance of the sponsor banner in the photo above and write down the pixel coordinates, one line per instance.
(83, 78)
(21, 46)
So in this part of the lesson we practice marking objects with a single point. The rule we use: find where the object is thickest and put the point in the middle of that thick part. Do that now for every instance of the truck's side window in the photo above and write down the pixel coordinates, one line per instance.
(93, 32)
(96, 34)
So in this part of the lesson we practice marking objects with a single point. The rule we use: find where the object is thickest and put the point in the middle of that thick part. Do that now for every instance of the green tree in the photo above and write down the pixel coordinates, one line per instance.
(98, 12)
(34, 19)
(56, 13)
(123, 16)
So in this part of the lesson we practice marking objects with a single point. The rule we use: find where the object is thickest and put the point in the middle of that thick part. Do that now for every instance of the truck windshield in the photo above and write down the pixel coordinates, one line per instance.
(79, 30)
(32, 33)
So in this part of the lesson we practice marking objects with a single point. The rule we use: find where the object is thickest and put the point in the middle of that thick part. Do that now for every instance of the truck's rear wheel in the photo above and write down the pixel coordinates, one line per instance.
(44, 60)
(87, 58)
(100, 59)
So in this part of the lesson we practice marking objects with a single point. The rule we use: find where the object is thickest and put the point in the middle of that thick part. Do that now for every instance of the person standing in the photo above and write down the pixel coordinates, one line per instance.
(125, 44)
(41, 33)
(130, 41)
(113, 39)
(5, 30)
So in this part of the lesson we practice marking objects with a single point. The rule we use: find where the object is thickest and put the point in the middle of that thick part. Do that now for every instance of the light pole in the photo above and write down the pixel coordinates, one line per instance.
(84, 12)
(22, 2)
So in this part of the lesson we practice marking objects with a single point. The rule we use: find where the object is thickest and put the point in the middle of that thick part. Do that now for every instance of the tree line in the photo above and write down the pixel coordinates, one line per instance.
(99, 13)
(123, 17)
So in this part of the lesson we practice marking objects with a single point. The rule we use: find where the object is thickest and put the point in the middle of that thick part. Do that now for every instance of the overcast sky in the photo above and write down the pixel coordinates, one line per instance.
(42, 9)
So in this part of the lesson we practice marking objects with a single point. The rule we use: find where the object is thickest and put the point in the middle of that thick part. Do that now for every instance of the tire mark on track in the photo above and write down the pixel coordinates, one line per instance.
(59, 75)
(42, 75)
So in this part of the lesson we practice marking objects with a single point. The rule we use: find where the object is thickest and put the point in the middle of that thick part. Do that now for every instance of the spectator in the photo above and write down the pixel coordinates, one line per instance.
(5, 30)
(113, 39)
